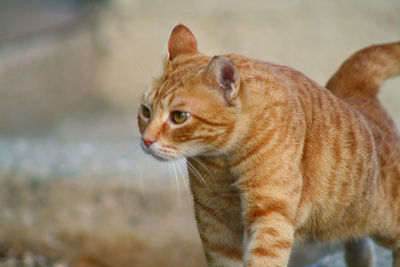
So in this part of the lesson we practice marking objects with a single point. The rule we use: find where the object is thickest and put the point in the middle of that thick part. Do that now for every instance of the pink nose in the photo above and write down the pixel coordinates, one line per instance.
(147, 142)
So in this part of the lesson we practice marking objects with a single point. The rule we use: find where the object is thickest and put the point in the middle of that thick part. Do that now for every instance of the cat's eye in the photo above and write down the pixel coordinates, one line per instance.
(179, 117)
(145, 111)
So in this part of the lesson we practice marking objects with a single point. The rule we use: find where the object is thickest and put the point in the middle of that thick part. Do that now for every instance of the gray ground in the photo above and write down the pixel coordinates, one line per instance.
(383, 259)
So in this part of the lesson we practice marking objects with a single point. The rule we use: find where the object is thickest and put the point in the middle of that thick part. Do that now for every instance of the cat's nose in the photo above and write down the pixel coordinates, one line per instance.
(147, 142)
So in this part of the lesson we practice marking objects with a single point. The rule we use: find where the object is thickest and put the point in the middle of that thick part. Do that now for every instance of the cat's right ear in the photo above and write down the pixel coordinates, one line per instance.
(222, 74)
(181, 41)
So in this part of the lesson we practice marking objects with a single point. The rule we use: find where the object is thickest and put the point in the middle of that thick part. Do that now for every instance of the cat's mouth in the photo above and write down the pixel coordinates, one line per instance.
(160, 152)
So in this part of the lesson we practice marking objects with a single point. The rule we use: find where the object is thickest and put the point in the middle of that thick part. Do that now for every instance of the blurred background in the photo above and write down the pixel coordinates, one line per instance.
(75, 188)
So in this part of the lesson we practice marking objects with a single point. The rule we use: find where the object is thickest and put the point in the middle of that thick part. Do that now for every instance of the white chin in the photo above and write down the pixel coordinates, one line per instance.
(162, 157)
(162, 153)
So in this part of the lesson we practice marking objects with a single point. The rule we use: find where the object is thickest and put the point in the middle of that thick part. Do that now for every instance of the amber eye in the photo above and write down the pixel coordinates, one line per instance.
(145, 111)
(179, 116)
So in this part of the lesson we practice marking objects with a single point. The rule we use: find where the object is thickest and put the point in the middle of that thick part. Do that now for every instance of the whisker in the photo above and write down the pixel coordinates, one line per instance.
(196, 173)
(204, 166)
(200, 177)
(177, 182)
(140, 178)
(212, 193)
(137, 158)
(183, 177)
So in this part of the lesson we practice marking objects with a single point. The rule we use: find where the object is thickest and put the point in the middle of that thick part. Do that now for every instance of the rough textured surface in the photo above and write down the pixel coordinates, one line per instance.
(29, 259)
(383, 258)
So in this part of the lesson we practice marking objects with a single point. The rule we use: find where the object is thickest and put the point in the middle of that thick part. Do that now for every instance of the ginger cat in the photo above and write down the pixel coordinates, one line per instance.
(273, 157)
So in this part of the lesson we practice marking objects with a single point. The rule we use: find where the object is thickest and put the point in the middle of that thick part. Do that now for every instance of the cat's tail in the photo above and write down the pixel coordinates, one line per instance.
(364, 72)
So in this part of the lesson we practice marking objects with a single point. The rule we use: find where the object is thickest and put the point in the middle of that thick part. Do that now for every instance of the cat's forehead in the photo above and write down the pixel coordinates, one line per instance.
(174, 83)
(171, 83)
(162, 91)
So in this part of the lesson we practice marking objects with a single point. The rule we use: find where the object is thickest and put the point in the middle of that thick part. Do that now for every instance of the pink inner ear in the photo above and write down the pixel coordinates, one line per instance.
(221, 72)
(181, 41)
(228, 75)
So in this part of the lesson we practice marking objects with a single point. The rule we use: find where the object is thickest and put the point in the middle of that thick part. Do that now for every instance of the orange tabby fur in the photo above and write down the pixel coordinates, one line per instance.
(274, 157)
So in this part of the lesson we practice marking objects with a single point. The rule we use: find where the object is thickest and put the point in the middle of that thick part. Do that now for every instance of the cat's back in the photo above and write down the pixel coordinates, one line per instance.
(339, 161)
(263, 78)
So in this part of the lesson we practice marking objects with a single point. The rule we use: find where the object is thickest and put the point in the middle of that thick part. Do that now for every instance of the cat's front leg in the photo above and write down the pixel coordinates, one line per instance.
(269, 239)
(217, 207)
(268, 213)
(218, 221)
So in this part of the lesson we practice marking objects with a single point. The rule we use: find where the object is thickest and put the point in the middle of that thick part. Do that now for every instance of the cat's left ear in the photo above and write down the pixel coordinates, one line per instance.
(222, 74)
(181, 41)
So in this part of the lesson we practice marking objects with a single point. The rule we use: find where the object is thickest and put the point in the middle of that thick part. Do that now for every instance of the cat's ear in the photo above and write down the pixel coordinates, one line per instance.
(222, 74)
(181, 41)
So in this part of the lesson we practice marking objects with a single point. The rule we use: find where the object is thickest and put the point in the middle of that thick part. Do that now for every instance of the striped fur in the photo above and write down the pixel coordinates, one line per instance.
(274, 157)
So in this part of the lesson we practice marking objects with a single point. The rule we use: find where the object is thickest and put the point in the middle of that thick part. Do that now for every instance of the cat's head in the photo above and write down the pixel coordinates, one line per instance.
(195, 107)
